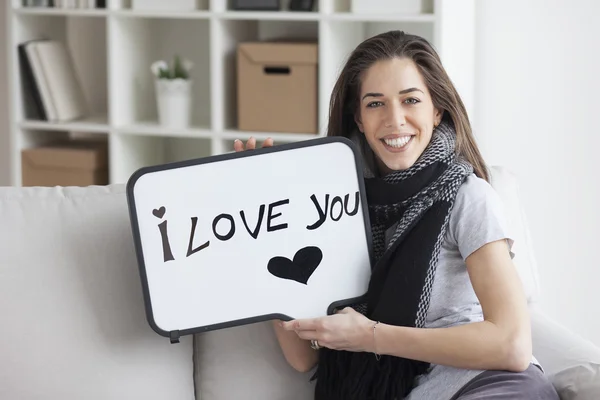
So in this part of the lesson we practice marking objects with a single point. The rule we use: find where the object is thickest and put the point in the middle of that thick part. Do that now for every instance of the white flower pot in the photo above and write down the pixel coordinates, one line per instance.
(174, 101)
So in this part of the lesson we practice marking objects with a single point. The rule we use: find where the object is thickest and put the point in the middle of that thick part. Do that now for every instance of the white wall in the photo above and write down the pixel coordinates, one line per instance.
(4, 144)
(538, 112)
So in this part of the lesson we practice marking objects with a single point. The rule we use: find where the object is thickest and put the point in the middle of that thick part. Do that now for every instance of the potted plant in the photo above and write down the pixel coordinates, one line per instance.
(173, 92)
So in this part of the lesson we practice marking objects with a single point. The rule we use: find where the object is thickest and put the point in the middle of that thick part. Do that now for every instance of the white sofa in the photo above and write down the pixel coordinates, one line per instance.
(73, 323)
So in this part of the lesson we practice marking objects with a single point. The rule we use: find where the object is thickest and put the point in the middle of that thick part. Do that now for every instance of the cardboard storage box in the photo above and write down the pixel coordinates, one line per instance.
(277, 87)
(66, 163)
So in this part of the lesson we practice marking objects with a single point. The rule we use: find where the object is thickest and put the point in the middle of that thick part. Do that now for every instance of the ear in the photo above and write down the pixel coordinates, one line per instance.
(437, 117)
(358, 122)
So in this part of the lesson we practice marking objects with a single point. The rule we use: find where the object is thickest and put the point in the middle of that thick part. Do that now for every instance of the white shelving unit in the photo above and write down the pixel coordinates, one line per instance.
(113, 48)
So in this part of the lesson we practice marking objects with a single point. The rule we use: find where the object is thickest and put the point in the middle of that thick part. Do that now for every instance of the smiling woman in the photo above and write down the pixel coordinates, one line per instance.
(394, 90)
(445, 315)
(397, 124)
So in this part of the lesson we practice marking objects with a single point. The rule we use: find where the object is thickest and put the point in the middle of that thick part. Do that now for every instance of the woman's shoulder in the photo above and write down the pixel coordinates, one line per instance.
(476, 194)
(477, 216)
(476, 189)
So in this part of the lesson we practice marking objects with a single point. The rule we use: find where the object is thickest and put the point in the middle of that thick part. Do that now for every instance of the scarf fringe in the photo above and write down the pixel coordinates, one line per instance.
(349, 377)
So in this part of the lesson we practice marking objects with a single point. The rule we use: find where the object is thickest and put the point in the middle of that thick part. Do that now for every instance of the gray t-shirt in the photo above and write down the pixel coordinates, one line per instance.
(476, 219)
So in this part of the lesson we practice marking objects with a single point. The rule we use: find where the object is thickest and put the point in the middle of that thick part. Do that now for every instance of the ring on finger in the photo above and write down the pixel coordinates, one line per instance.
(314, 344)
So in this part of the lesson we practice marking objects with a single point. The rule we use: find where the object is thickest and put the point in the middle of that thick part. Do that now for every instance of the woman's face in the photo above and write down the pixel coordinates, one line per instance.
(396, 113)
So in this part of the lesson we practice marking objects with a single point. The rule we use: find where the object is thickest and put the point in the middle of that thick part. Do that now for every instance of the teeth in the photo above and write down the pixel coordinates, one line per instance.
(398, 142)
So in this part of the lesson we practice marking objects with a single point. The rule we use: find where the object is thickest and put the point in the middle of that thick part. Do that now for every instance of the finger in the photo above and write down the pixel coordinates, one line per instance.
(303, 324)
(251, 144)
(238, 145)
(308, 335)
(268, 142)
(312, 335)
(291, 325)
(288, 325)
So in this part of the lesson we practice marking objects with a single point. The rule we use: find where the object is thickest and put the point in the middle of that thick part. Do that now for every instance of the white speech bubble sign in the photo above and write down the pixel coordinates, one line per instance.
(280, 232)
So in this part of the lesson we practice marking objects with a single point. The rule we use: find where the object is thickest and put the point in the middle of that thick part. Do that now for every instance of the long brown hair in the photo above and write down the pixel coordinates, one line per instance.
(397, 44)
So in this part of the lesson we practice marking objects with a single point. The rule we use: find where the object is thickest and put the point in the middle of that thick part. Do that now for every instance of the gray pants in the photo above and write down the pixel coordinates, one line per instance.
(530, 384)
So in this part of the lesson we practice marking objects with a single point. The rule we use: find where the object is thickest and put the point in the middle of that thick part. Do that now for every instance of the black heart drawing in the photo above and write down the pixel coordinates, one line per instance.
(160, 212)
(300, 269)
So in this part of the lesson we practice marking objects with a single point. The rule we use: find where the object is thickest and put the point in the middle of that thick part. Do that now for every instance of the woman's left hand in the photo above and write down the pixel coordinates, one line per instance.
(346, 330)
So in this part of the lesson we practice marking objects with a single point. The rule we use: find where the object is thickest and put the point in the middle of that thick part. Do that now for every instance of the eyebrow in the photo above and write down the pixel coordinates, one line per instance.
(371, 94)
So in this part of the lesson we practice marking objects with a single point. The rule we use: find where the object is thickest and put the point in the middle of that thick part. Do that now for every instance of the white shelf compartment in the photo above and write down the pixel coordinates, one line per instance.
(345, 34)
(33, 137)
(229, 34)
(85, 38)
(135, 44)
(130, 152)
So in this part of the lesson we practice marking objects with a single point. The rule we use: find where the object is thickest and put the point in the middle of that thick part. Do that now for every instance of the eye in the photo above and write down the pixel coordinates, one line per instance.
(412, 100)
(374, 104)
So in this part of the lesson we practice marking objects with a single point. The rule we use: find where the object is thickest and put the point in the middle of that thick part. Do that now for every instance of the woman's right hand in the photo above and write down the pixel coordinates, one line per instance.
(238, 145)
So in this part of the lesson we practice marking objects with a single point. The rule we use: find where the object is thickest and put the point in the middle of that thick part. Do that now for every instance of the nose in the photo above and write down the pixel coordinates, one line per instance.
(395, 117)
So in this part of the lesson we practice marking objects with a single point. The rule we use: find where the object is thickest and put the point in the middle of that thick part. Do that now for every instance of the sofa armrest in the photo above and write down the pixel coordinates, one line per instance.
(571, 362)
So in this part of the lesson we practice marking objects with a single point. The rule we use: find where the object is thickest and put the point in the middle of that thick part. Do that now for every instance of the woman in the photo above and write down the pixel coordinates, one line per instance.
(445, 316)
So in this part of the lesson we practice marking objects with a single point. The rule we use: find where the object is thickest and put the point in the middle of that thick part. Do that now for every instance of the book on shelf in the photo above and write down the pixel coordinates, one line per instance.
(73, 4)
(52, 90)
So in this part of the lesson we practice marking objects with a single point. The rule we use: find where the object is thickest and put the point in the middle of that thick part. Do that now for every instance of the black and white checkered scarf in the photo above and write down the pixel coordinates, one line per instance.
(418, 202)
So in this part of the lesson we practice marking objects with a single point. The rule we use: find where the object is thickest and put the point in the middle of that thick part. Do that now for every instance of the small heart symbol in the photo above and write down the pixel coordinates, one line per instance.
(160, 212)
(305, 262)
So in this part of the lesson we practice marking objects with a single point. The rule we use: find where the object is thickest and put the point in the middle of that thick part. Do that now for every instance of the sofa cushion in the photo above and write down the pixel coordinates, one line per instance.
(73, 320)
(246, 362)
(571, 362)
(505, 183)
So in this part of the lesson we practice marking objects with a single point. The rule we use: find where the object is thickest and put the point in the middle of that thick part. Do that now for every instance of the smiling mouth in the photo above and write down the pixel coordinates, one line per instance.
(398, 143)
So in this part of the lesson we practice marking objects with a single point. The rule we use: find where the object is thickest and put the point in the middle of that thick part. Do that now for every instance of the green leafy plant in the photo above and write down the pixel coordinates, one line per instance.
(180, 69)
